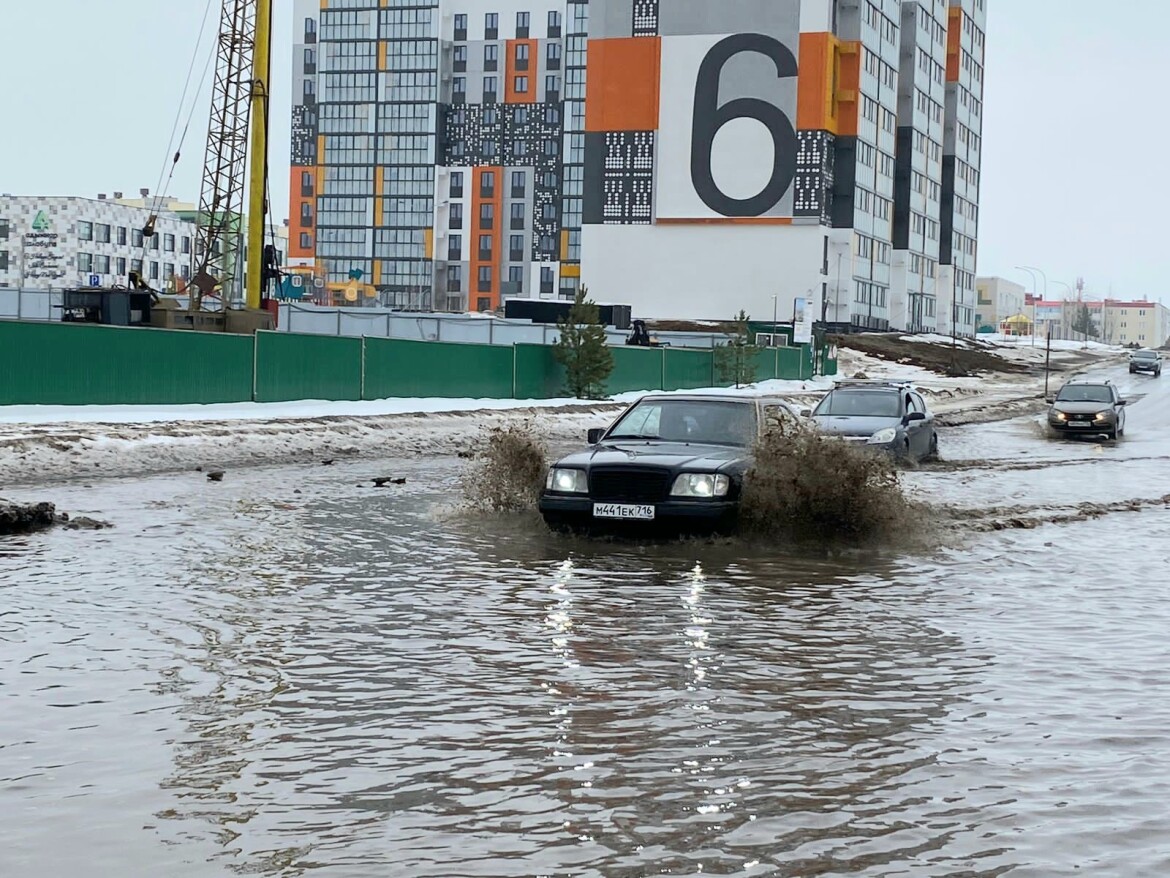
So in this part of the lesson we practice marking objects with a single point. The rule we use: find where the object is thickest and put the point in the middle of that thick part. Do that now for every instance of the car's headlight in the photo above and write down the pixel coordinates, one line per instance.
(700, 485)
(567, 481)
(883, 437)
(1102, 416)
(1059, 416)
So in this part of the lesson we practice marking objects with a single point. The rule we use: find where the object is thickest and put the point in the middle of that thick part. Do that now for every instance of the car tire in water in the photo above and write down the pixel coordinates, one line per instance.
(932, 455)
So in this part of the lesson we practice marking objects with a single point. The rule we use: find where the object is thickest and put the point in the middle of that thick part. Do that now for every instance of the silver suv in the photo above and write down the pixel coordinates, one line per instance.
(1146, 361)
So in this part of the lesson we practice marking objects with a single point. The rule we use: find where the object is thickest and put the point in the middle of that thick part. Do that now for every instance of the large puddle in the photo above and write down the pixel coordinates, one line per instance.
(243, 679)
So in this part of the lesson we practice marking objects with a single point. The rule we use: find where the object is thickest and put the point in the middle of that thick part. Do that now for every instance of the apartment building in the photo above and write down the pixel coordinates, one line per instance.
(997, 299)
(57, 243)
(726, 155)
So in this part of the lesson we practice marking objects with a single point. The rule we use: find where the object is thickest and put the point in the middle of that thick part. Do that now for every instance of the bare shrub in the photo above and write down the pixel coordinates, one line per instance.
(510, 464)
(804, 484)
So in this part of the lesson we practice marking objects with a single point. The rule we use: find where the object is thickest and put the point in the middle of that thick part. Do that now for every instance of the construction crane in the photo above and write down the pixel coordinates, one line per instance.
(239, 114)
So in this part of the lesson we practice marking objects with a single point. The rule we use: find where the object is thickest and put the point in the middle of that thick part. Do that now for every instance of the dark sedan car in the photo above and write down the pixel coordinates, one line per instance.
(1087, 408)
(669, 461)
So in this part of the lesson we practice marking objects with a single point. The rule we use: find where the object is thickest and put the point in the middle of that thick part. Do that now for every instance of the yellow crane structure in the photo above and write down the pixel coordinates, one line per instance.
(237, 152)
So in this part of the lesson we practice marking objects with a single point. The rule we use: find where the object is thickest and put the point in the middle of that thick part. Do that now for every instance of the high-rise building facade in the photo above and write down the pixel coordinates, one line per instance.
(690, 157)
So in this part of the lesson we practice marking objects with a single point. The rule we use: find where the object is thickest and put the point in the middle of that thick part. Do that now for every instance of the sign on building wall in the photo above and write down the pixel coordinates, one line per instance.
(713, 112)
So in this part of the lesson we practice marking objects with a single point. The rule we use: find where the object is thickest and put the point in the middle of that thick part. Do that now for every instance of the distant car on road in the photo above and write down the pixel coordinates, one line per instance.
(1087, 408)
(881, 415)
(669, 461)
(1146, 361)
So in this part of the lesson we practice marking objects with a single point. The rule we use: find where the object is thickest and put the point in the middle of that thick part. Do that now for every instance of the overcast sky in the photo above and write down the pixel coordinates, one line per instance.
(1074, 179)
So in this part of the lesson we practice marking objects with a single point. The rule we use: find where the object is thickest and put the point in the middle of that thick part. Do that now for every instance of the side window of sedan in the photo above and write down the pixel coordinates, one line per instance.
(919, 402)
(910, 405)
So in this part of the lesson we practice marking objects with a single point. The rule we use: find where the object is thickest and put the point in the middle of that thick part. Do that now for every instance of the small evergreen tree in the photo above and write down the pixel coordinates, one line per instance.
(735, 360)
(583, 349)
(1083, 322)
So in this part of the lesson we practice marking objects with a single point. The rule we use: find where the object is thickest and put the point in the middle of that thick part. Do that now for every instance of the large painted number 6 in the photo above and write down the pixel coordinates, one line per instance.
(709, 117)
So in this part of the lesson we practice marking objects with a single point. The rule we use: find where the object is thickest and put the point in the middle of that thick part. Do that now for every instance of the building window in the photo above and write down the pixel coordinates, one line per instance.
(552, 147)
(491, 148)
(516, 248)
(491, 57)
(138, 239)
(518, 215)
(522, 56)
(3, 230)
(310, 30)
(3, 260)
(168, 270)
(483, 304)
(484, 283)
(185, 245)
(459, 59)
(552, 86)
(521, 85)
(523, 24)
(136, 266)
(85, 231)
(519, 180)
(487, 184)
(457, 184)
(491, 26)
(120, 266)
(454, 278)
(487, 216)
(554, 24)
(102, 233)
(454, 248)
(553, 56)
(155, 240)
(456, 216)
(546, 281)
(516, 278)
(306, 216)
(101, 264)
(485, 246)
(461, 27)
(169, 243)
(85, 262)
(121, 236)
(154, 271)
(459, 89)
(490, 89)
(306, 241)
(185, 271)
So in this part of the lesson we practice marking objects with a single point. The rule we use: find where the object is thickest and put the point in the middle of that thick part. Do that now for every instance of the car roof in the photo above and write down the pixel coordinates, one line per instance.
(705, 397)
(874, 384)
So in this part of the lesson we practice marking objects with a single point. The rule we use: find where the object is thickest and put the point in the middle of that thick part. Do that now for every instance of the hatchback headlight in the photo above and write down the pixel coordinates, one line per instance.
(567, 481)
(883, 437)
(1102, 416)
(702, 485)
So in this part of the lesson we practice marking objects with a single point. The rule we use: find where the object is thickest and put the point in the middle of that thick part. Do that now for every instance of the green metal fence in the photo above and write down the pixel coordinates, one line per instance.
(78, 364)
(69, 364)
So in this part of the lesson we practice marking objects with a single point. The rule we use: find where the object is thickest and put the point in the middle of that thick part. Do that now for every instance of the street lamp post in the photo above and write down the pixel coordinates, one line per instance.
(1033, 272)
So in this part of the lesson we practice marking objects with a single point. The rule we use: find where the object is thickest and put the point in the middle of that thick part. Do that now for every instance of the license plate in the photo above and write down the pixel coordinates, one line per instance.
(623, 511)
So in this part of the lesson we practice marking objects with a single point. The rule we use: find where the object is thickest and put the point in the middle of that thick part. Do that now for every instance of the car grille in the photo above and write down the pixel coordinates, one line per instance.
(627, 485)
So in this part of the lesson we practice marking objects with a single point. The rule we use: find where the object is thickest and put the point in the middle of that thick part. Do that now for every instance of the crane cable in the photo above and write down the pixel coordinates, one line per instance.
(174, 161)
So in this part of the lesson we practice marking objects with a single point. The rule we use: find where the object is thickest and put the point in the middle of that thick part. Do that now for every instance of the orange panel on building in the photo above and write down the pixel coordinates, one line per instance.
(622, 78)
(511, 94)
(474, 231)
(848, 88)
(826, 93)
(954, 43)
(296, 205)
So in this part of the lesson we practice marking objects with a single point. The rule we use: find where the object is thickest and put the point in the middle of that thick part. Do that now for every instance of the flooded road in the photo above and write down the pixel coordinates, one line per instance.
(243, 679)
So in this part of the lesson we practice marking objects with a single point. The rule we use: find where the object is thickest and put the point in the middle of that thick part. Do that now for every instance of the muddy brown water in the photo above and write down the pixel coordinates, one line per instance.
(346, 681)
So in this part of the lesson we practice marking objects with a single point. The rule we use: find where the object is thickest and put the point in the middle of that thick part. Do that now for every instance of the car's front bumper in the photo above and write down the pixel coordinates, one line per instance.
(1143, 367)
(560, 509)
(1087, 428)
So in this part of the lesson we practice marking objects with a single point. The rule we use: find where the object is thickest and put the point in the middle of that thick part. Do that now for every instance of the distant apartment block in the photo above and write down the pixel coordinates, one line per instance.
(690, 157)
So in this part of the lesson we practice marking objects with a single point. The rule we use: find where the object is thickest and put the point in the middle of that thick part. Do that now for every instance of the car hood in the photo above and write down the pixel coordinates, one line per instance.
(853, 425)
(1081, 408)
(674, 455)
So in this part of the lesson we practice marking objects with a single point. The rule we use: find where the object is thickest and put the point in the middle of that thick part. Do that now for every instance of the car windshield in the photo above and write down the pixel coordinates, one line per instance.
(715, 422)
(1085, 393)
(1145, 355)
(860, 404)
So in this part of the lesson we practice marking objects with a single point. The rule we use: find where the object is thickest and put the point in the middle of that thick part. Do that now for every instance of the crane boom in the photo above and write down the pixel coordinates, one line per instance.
(238, 83)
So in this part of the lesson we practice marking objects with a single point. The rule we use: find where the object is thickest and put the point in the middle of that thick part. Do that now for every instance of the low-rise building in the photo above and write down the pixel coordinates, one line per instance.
(1112, 321)
(64, 242)
(999, 299)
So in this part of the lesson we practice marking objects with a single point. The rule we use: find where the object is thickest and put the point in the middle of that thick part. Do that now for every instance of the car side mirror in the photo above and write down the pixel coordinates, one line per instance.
(806, 413)
(915, 416)
(594, 435)
(1123, 402)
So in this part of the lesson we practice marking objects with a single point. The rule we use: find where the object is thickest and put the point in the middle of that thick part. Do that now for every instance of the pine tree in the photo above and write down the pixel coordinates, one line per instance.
(1083, 323)
(583, 349)
(735, 360)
